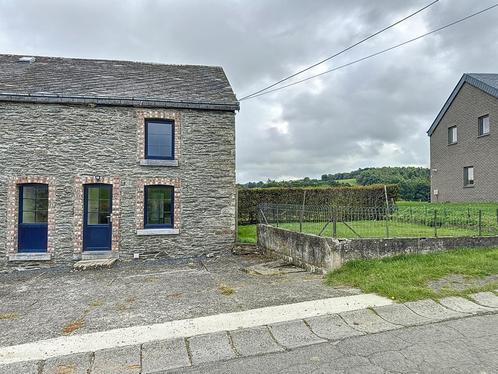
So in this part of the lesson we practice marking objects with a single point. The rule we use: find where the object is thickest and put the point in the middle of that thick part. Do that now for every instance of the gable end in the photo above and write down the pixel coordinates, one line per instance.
(466, 78)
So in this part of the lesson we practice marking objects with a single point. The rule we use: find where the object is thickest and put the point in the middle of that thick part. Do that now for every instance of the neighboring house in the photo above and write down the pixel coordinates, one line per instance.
(464, 142)
(114, 159)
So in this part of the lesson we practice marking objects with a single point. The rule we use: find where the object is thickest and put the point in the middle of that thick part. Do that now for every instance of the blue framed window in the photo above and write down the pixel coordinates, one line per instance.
(159, 139)
(33, 201)
(33, 218)
(159, 206)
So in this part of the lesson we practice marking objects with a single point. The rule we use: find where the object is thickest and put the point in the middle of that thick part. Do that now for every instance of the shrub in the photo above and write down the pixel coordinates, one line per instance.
(361, 196)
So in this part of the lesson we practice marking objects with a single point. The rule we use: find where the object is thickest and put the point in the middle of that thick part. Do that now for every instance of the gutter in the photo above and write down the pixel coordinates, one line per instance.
(117, 101)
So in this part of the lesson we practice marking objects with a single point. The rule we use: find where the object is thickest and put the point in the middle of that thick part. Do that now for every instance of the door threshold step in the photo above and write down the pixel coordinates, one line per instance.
(94, 264)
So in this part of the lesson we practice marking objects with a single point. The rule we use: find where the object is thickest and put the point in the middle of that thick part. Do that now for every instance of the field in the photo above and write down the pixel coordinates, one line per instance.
(408, 219)
(409, 277)
(351, 181)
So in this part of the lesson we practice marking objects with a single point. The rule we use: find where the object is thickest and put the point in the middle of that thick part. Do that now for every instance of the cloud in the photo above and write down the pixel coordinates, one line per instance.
(370, 114)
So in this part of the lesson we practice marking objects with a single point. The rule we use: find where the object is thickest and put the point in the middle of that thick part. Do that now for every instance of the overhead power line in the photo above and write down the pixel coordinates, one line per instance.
(376, 53)
(340, 52)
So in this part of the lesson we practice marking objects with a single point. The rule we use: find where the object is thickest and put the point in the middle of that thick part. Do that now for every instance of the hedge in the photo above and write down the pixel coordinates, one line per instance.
(358, 196)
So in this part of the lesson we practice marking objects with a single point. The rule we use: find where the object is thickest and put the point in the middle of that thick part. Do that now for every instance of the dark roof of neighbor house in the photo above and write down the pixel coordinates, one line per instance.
(485, 82)
(107, 82)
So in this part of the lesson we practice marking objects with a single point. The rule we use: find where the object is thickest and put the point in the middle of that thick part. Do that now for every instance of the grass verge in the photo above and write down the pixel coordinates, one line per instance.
(246, 234)
(406, 277)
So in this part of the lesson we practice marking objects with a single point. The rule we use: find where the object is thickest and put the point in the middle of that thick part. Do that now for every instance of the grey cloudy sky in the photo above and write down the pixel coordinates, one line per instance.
(374, 113)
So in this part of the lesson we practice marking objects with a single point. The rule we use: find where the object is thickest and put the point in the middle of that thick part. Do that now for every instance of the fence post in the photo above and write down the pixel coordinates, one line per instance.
(435, 223)
(334, 223)
(480, 222)
(386, 218)
(302, 212)
(277, 215)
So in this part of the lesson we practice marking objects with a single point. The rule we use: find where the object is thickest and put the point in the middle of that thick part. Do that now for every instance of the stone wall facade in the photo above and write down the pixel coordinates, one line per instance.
(71, 145)
(322, 254)
(481, 152)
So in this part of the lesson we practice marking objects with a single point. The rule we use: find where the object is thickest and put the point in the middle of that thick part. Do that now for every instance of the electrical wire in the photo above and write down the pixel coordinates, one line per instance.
(340, 52)
(376, 53)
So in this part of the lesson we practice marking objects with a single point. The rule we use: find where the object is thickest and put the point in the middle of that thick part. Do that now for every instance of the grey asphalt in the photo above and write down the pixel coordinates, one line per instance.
(40, 304)
(388, 339)
(468, 345)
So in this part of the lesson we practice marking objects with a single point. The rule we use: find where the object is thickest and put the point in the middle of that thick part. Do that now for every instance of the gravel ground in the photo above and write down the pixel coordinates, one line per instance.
(41, 304)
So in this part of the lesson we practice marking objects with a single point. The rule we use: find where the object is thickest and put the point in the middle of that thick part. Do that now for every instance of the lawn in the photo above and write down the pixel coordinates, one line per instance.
(246, 234)
(410, 219)
(406, 278)
(360, 229)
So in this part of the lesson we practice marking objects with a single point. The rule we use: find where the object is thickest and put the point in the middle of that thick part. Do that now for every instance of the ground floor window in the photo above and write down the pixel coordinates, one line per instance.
(33, 217)
(468, 176)
(158, 207)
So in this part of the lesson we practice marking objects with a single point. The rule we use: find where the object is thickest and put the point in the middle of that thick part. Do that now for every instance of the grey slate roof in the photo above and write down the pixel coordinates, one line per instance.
(107, 82)
(485, 82)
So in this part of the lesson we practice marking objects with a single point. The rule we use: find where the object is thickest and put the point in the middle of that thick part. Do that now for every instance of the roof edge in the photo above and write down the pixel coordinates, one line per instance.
(117, 101)
(466, 78)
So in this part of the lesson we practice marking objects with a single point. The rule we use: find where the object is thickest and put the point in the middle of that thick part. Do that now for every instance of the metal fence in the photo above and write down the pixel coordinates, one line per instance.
(386, 222)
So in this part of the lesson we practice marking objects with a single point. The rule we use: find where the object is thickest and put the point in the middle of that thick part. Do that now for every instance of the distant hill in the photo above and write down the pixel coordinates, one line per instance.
(414, 182)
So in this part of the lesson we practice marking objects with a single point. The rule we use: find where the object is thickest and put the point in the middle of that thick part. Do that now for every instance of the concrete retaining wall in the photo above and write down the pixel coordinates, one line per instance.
(322, 254)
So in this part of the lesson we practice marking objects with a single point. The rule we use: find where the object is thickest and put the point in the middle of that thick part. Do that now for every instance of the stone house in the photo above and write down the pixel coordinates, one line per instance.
(106, 159)
(464, 142)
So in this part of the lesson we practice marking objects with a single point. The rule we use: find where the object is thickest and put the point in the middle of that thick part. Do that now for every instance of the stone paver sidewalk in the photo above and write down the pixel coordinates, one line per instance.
(460, 346)
(413, 329)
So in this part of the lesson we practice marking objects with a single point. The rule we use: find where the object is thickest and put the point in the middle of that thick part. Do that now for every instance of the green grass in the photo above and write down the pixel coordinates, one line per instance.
(365, 229)
(405, 278)
(411, 219)
(351, 181)
(247, 234)
(485, 206)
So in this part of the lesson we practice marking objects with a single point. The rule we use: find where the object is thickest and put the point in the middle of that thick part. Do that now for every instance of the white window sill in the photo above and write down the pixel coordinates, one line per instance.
(30, 257)
(146, 162)
(147, 232)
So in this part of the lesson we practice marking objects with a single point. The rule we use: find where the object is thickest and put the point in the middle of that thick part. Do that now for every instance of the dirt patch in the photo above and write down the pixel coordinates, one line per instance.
(73, 326)
(8, 316)
(65, 369)
(226, 290)
(96, 303)
(460, 282)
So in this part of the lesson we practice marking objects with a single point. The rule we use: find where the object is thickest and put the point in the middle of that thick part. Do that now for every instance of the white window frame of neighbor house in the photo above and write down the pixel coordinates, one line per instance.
(468, 176)
(483, 125)
(452, 135)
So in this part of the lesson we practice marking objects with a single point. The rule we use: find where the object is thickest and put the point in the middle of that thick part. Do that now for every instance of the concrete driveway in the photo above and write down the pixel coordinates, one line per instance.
(41, 304)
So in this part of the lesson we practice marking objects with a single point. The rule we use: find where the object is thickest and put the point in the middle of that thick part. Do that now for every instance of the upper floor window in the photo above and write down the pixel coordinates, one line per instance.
(452, 135)
(484, 125)
(159, 139)
(158, 206)
(468, 176)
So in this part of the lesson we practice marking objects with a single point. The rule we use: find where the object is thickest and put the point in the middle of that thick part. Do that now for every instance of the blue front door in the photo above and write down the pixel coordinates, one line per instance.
(33, 218)
(97, 212)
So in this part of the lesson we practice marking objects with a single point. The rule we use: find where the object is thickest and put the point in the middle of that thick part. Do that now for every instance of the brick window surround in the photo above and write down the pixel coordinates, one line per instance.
(79, 183)
(169, 115)
(13, 210)
(139, 219)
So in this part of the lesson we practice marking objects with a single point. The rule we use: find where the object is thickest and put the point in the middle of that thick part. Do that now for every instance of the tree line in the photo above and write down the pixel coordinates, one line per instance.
(413, 182)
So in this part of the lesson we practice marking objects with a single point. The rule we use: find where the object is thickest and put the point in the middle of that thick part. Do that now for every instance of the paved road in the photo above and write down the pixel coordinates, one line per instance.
(467, 345)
